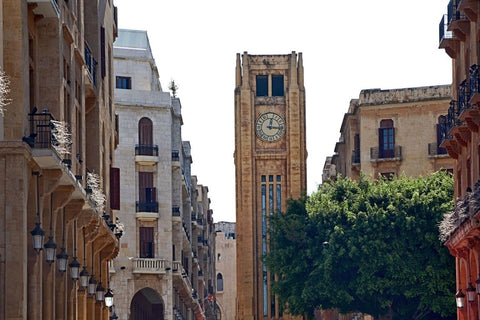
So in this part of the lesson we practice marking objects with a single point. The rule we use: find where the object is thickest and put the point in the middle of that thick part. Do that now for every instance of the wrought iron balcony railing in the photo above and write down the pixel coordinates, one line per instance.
(91, 65)
(41, 136)
(434, 149)
(148, 206)
(474, 81)
(175, 155)
(146, 150)
(377, 154)
(443, 29)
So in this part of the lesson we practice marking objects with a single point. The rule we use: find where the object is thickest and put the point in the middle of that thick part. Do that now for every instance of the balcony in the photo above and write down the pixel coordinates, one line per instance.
(149, 266)
(91, 76)
(457, 21)
(378, 155)
(146, 154)
(181, 281)
(46, 8)
(446, 39)
(474, 85)
(175, 159)
(469, 7)
(176, 215)
(435, 151)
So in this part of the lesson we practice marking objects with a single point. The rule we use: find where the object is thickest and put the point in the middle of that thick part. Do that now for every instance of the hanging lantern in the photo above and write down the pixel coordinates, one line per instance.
(92, 285)
(50, 250)
(62, 260)
(470, 293)
(100, 293)
(84, 275)
(74, 269)
(109, 298)
(38, 234)
(460, 298)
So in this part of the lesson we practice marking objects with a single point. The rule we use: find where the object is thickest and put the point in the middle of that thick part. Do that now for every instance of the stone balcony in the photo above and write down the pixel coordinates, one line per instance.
(149, 266)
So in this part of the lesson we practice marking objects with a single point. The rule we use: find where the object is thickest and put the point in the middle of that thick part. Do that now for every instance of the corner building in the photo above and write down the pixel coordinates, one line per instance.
(458, 35)
(392, 133)
(270, 166)
(165, 267)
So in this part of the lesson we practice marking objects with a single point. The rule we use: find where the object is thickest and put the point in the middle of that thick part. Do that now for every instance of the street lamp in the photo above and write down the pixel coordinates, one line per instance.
(38, 234)
(62, 257)
(470, 293)
(74, 265)
(109, 298)
(460, 298)
(50, 246)
(84, 274)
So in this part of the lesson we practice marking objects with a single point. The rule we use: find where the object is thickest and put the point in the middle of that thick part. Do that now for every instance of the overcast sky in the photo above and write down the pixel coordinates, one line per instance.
(347, 46)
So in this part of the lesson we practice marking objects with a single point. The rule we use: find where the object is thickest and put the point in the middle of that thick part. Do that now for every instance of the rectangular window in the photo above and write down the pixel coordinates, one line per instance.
(123, 82)
(387, 144)
(262, 85)
(146, 242)
(277, 85)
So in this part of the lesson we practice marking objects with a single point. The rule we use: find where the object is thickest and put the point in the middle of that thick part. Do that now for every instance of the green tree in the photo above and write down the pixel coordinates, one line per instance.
(366, 246)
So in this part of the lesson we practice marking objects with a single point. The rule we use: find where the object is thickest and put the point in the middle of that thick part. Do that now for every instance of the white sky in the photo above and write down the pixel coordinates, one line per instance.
(347, 46)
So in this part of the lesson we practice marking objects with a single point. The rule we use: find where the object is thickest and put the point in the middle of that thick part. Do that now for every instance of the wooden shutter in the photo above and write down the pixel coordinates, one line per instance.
(115, 188)
(102, 52)
(145, 180)
(146, 242)
(145, 134)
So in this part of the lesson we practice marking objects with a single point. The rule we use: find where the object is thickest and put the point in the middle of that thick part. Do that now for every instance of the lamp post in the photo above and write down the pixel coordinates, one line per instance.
(38, 234)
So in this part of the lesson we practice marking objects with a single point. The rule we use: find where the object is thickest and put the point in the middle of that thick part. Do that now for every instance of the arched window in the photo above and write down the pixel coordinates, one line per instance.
(145, 137)
(386, 135)
(219, 282)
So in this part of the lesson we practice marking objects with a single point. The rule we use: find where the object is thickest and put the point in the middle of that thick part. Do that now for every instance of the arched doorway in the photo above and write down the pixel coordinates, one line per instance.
(146, 305)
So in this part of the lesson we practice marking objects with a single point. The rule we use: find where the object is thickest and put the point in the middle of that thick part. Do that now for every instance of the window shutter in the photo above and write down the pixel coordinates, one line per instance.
(102, 52)
(115, 188)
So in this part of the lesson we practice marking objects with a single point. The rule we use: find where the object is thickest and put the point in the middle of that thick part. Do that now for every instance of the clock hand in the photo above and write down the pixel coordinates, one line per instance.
(270, 124)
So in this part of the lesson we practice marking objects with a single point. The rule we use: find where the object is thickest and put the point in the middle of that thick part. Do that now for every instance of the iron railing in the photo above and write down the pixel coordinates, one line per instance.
(91, 65)
(147, 206)
(434, 149)
(146, 150)
(40, 130)
(474, 81)
(443, 29)
(376, 153)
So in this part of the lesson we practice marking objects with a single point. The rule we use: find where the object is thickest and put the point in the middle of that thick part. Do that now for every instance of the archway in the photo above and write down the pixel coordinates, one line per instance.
(147, 305)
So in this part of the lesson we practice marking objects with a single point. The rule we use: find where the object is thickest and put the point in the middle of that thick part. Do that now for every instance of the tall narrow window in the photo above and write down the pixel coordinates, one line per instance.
(219, 282)
(145, 137)
(146, 242)
(277, 85)
(386, 139)
(262, 85)
(441, 134)
(147, 194)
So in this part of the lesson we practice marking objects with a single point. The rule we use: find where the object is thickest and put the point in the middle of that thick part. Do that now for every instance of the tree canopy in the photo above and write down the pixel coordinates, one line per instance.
(366, 246)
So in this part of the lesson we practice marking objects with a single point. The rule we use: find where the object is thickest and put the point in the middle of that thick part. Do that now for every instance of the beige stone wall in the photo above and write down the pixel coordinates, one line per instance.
(415, 113)
(226, 266)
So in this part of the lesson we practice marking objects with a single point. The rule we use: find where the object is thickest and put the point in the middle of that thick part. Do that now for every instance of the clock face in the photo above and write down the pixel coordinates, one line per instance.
(270, 127)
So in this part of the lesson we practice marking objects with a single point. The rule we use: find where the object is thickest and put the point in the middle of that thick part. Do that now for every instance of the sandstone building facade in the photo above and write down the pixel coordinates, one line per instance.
(166, 265)
(226, 269)
(270, 166)
(458, 35)
(392, 132)
(57, 141)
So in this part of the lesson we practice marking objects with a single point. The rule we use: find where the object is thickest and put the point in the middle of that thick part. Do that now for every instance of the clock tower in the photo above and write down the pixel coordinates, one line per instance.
(270, 166)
